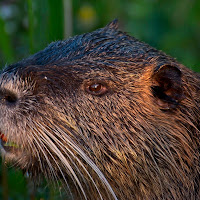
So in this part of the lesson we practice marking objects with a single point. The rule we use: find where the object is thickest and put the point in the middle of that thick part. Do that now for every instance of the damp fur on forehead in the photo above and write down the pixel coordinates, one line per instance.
(113, 25)
(13, 82)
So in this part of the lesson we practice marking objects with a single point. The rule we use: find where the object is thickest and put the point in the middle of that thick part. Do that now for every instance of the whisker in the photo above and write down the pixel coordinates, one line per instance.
(54, 148)
(63, 148)
(88, 161)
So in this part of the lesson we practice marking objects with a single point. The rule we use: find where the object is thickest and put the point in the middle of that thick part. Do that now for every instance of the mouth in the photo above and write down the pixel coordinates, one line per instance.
(7, 147)
(13, 153)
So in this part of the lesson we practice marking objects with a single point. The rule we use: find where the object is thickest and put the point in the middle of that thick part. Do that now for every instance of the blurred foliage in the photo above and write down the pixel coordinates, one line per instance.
(173, 26)
(27, 26)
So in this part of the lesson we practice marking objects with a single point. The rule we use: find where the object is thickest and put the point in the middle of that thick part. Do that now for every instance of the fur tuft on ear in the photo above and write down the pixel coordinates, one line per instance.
(167, 86)
(113, 25)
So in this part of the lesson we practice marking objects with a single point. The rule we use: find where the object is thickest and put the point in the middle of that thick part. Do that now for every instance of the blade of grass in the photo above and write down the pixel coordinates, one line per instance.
(31, 25)
(55, 20)
(5, 44)
(41, 17)
(4, 181)
(67, 18)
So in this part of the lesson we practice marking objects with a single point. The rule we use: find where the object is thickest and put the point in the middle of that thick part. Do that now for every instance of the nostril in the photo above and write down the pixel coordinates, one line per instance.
(11, 98)
(8, 97)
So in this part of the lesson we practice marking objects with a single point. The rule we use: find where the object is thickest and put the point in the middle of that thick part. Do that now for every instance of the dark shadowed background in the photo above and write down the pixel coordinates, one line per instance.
(27, 26)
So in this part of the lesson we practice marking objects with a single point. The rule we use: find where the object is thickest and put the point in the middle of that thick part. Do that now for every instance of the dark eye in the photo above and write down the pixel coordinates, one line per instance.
(96, 89)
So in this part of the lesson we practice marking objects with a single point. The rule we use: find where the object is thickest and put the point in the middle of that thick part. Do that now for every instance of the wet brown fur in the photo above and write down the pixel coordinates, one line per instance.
(145, 145)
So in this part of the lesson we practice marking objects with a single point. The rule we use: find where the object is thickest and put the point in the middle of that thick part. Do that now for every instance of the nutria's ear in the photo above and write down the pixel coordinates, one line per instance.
(167, 86)
(113, 25)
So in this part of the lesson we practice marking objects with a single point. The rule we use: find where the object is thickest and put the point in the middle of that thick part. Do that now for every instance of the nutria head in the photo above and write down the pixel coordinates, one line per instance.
(110, 116)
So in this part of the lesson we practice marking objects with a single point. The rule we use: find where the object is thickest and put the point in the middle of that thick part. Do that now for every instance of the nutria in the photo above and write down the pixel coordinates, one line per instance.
(110, 116)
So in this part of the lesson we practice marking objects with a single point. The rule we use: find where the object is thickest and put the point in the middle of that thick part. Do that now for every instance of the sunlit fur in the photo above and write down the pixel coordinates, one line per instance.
(120, 145)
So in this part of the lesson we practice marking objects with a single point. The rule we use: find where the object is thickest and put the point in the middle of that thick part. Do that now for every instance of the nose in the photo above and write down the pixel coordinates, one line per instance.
(8, 97)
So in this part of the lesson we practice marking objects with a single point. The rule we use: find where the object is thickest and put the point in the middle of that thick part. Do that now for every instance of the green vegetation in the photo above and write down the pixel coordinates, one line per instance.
(27, 26)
